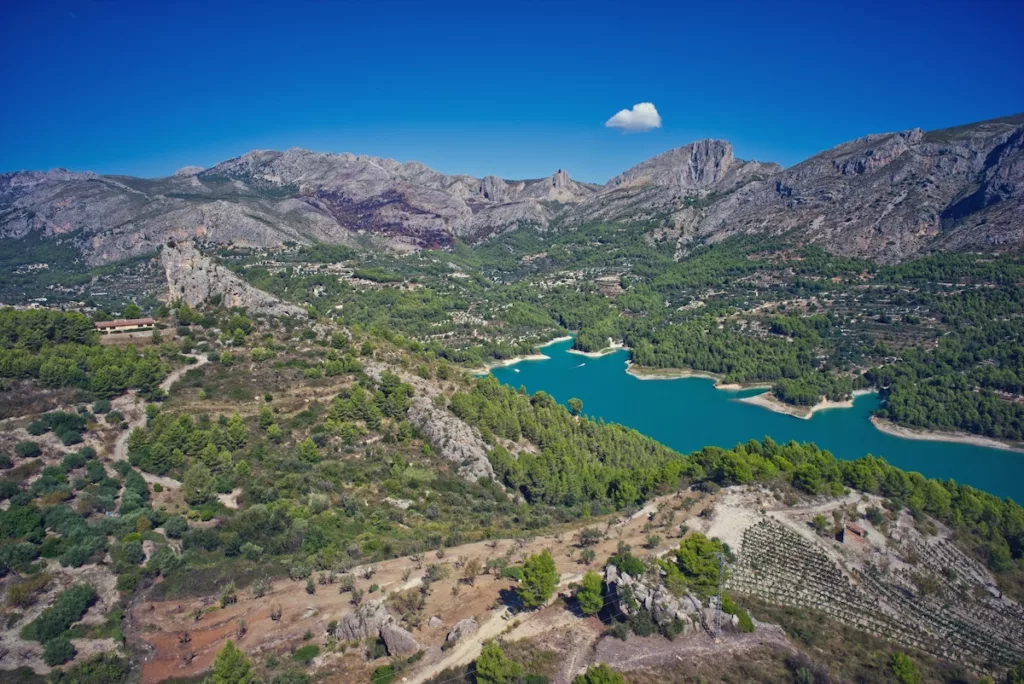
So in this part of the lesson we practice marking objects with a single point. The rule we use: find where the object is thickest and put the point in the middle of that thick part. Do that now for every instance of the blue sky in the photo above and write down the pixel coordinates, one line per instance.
(513, 89)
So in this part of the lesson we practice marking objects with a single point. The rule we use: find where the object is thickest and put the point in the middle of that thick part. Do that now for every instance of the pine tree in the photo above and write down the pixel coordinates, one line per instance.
(539, 580)
(494, 667)
(231, 666)
(589, 594)
(197, 485)
(237, 433)
(600, 674)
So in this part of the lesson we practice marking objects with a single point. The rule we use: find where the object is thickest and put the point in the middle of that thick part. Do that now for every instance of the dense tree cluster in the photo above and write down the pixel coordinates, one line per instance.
(580, 462)
(61, 350)
(956, 386)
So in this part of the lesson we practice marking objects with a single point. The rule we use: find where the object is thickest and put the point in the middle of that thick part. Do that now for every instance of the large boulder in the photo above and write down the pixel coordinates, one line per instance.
(399, 641)
(363, 622)
(372, 619)
(462, 629)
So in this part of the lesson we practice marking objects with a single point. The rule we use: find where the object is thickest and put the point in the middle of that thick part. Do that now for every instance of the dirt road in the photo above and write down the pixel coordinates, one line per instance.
(136, 414)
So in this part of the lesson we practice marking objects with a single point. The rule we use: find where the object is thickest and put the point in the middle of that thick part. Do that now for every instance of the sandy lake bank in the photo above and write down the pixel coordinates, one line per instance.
(890, 428)
(610, 349)
(648, 373)
(773, 403)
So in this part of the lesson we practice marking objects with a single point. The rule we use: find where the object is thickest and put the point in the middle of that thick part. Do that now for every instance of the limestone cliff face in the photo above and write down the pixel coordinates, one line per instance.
(892, 196)
(668, 186)
(195, 279)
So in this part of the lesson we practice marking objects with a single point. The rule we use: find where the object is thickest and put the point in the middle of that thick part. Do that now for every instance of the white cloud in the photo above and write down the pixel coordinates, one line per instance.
(642, 117)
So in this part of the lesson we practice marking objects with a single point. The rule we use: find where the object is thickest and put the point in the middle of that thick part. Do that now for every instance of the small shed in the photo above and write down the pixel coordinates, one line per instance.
(853, 531)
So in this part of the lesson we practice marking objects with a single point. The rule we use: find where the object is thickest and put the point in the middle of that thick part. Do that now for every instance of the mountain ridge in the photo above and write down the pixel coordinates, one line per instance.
(885, 196)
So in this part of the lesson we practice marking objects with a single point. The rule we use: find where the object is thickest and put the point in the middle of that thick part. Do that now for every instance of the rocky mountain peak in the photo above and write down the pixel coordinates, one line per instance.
(494, 189)
(560, 179)
(886, 196)
(187, 171)
(696, 166)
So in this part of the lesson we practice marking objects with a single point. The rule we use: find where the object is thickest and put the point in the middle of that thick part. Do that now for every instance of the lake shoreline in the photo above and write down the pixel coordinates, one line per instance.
(610, 349)
(564, 338)
(892, 429)
(504, 363)
(687, 416)
(650, 373)
(773, 403)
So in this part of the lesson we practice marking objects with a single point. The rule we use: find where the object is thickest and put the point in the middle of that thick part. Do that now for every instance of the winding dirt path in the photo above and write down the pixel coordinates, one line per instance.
(120, 451)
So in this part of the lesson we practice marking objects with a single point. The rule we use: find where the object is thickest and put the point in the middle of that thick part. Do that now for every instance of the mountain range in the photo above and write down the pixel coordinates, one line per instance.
(886, 196)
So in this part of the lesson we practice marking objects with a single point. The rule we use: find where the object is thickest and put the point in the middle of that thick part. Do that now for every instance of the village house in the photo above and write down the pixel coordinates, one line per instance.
(126, 325)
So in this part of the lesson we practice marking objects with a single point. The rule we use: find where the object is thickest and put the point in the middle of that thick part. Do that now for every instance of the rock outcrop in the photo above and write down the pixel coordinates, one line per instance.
(373, 620)
(662, 604)
(462, 629)
(454, 440)
(673, 183)
(195, 279)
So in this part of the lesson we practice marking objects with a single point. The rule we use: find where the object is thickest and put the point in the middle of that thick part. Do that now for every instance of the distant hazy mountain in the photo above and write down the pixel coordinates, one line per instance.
(886, 196)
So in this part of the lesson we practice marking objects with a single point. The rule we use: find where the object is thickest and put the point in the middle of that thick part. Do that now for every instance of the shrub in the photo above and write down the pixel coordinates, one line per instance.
(175, 526)
(58, 651)
(228, 596)
(599, 674)
(300, 572)
(73, 462)
(23, 594)
(306, 654)
(68, 609)
(105, 668)
(27, 449)
(746, 624)
(383, 675)
(628, 563)
(207, 539)
(642, 623)
(494, 667)
(290, 677)
(513, 572)
(904, 669)
(101, 406)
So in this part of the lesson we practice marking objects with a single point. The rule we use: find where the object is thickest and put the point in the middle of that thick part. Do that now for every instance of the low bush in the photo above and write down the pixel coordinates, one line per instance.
(58, 651)
(306, 654)
(55, 620)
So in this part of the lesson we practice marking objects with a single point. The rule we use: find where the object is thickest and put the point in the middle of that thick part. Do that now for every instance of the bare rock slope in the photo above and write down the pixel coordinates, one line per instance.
(265, 197)
(195, 279)
(888, 196)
